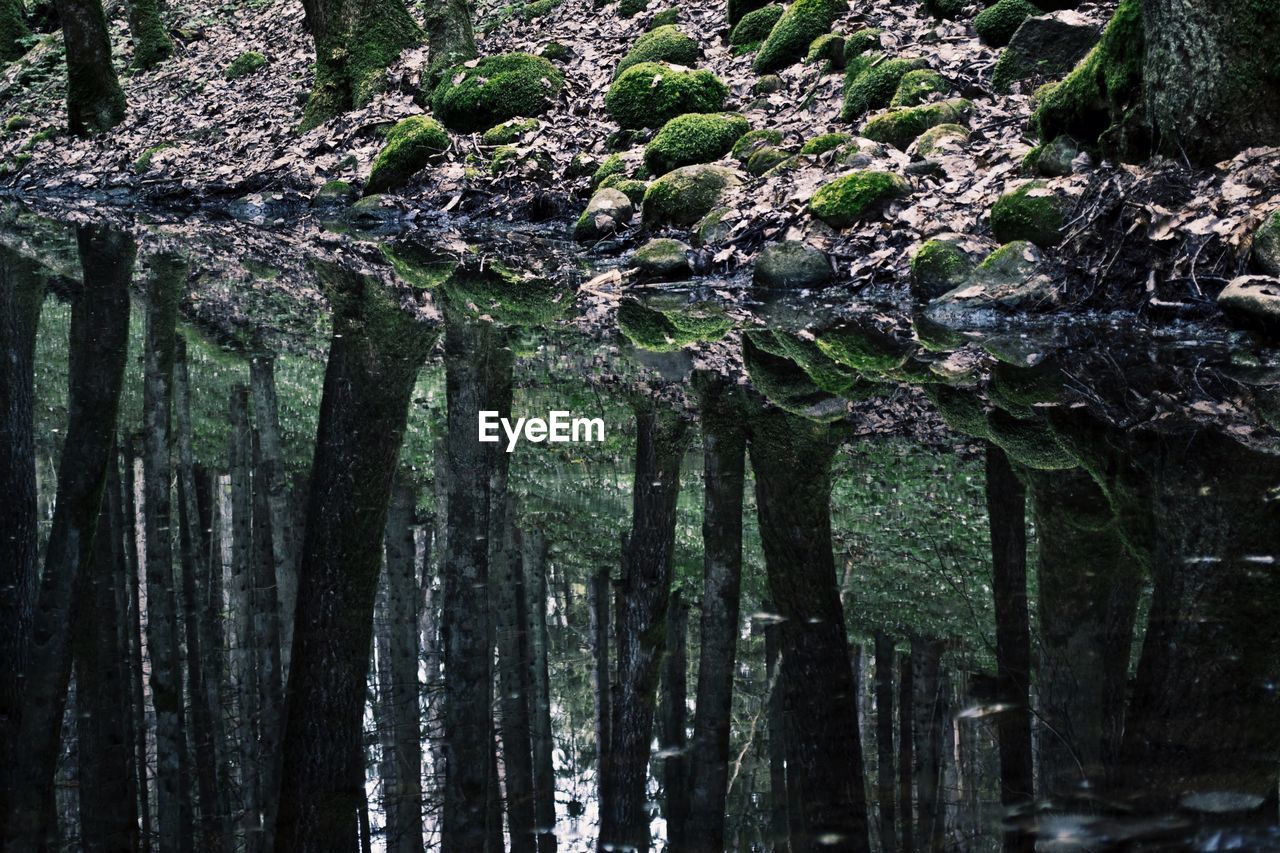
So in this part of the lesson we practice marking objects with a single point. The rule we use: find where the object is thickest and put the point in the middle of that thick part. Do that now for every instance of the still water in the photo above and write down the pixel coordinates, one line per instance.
(836, 577)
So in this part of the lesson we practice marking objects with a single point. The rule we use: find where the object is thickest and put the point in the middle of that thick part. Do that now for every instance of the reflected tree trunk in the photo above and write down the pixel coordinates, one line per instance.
(534, 547)
(266, 647)
(724, 463)
(640, 607)
(906, 753)
(672, 741)
(374, 358)
(136, 675)
(778, 820)
(885, 782)
(931, 720)
(601, 668)
(511, 627)
(96, 359)
(792, 460)
(243, 663)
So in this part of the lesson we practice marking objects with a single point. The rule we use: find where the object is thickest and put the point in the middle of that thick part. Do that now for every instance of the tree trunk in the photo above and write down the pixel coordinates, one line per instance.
(544, 774)
(929, 707)
(96, 358)
(792, 457)
(778, 807)
(906, 754)
(1006, 515)
(672, 740)
(640, 603)
(601, 670)
(374, 358)
(151, 44)
(884, 741)
(95, 102)
(13, 30)
(266, 649)
(450, 39)
(724, 461)
(138, 712)
(21, 297)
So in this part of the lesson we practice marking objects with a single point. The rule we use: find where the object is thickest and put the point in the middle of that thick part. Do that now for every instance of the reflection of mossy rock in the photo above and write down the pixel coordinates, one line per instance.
(662, 259)
(473, 98)
(1266, 245)
(825, 142)
(874, 86)
(1045, 47)
(934, 336)
(1018, 389)
(693, 138)
(664, 44)
(608, 211)
(846, 200)
(684, 196)
(492, 289)
(244, 65)
(863, 347)
(826, 374)
(1029, 442)
(782, 382)
(962, 411)
(651, 94)
(792, 265)
(901, 127)
(918, 86)
(510, 131)
(754, 27)
(937, 267)
(411, 144)
(800, 24)
(1031, 212)
(668, 331)
(419, 266)
(936, 140)
(997, 24)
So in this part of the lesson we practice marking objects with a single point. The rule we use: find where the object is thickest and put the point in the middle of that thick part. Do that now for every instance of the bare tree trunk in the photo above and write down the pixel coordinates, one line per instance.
(266, 651)
(906, 753)
(672, 741)
(779, 821)
(511, 625)
(534, 555)
(151, 43)
(374, 358)
(95, 102)
(601, 669)
(930, 719)
(136, 676)
(885, 790)
(96, 359)
(641, 598)
(450, 39)
(244, 666)
(724, 467)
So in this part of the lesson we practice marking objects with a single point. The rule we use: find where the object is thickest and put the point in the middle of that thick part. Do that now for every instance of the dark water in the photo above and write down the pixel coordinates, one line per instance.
(975, 587)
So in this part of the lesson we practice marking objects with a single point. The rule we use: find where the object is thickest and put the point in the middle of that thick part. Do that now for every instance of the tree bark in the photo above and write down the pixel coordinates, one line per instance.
(601, 669)
(151, 44)
(13, 30)
(374, 358)
(534, 554)
(450, 39)
(724, 463)
(672, 739)
(95, 101)
(1006, 515)
(929, 708)
(266, 649)
(885, 785)
(640, 603)
(906, 754)
(791, 457)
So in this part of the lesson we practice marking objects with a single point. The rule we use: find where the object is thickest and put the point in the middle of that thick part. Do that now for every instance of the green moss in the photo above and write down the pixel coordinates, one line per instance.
(664, 18)
(412, 143)
(846, 200)
(693, 138)
(874, 86)
(918, 86)
(1030, 212)
(1099, 99)
(863, 348)
(938, 266)
(510, 131)
(143, 163)
(1266, 245)
(762, 160)
(767, 85)
(997, 24)
(521, 162)
(14, 32)
(828, 49)
(497, 88)
(612, 165)
(651, 94)
(151, 43)
(800, 24)
(17, 122)
(929, 142)
(825, 142)
(538, 8)
(631, 8)
(669, 331)
(782, 382)
(827, 374)
(663, 259)
(860, 42)
(1022, 388)
(488, 288)
(244, 64)
(901, 127)
(554, 51)
(665, 44)
(962, 411)
(755, 27)
(686, 195)
(947, 10)
(417, 266)
(333, 193)
(753, 139)
(1031, 442)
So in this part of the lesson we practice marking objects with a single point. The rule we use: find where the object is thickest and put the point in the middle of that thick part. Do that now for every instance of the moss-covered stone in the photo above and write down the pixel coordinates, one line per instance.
(334, 194)
(609, 210)
(664, 18)
(510, 131)
(860, 42)
(946, 10)
(244, 65)
(1054, 159)
(827, 49)
(846, 200)
(962, 411)
(665, 44)
(755, 139)
(714, 227)
(411, 144)
(1266, 245)
(918, 86)
(693, 138)
(997, 24)
(684, 196)
(765, 159)
(1029, 442)
(669, 331)
(1045, 47)
(631, 8)
(767, 85)
(936, 139)
(515, 161)
(651, 94)
(901, 127)
(937, 267)
(792, 265)
(555, 51)
(800, 24)
(662, 259)
(825, 142)
(1024, 388)
(873, 86)
(864, 348)
(489, 288)
(143, 163)
(580, 165)
(17, 122)
(754, 28)
(476, 97)
(1031, 212)
(785, 384)
(611, 166)
(630, 187)
(538, 8)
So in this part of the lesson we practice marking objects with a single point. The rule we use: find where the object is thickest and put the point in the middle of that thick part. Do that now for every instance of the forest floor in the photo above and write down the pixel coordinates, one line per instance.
(1159, 237)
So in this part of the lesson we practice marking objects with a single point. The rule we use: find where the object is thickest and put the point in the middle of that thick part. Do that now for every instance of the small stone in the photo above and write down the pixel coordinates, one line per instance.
(792, 265)
(1012, 277)
(1266, 245)
(939, 266)
(1056, 159)
(686, 195)
(608, 211)
(941, 139)
(1044, 48)
(662, 259)
(1253, 301)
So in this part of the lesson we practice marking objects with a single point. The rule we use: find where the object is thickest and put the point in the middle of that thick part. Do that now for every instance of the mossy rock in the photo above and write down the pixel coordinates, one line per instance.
(863, 347)
(693, 138)
(901, 127)
(664, 18)
(662, 259)
(767, 85)
(581, 165)
(684, 196)
(555, 51)
(669, 331)
(1012, 278)
(244, 65)
(629, 187)
(609, 210)
(873, 86)
(764, 160)
(792, 265)
(1054, 159)
(515, 161)
(474, 98)
(419, 266)
(17, 122)
(782, 382)
(510, 131)
(1031, 212)
(1027, 387)
(800, 24)
(492, 289)
(827, 49)
(1028, 442)
(946, 10)
(962, 411)
(919, 86)
(1046, 47)
(143, 164)
(611, 166)
(825, 142)
(665, 44)
(538, 8)
(935, 139)
(631, 8)
(861, 41)
(334, 194)
(651, 94)
(1266, 245)
(755, 139)
(853, 197)
(410, 145)
(997, 24)
(938, 267)
(755, 27)
(714, 227)
(826, 374)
